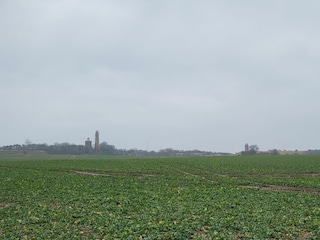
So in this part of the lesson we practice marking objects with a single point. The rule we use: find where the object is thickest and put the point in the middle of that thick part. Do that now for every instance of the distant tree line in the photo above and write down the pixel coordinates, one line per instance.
(104, 149)
(63, 148)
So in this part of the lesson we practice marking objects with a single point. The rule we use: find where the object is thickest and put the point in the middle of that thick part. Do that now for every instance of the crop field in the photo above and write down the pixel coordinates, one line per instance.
(95, 197)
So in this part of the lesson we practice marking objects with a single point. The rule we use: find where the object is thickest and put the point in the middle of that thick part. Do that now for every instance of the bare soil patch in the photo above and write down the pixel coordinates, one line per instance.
(277, 188)
(5, 204)
(202, 233)
(306, 235)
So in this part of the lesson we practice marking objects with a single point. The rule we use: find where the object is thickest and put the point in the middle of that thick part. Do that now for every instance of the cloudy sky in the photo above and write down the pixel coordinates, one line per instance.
(208, 75)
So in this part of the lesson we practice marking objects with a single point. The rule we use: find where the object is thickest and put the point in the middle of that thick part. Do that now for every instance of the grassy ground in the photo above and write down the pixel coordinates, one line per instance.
(68, 197)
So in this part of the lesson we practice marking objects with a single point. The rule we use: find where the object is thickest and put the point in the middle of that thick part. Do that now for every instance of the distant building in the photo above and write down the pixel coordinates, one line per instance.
(246, 147)
(97, 144)
(88, 144)
(291, 152)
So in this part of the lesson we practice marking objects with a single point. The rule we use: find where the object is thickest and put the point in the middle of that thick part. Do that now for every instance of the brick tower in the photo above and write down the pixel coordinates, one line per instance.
(88, 144)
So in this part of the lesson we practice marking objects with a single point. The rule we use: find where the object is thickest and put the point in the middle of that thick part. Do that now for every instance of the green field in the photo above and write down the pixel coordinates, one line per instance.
(91, 197)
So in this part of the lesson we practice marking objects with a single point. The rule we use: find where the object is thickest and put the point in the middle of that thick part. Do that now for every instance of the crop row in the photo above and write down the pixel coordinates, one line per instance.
(178, 198)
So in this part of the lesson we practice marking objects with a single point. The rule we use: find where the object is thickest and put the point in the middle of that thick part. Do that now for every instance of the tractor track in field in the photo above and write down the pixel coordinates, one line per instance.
(91, 173)
(278, 188)
(190, 174)
(282, 175)
(214, 173)
(106, 174)
(272, 188)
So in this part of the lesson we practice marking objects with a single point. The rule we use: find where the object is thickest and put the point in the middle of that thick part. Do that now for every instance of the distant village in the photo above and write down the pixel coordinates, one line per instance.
(104, 148)
(98, 148)
(254, 150)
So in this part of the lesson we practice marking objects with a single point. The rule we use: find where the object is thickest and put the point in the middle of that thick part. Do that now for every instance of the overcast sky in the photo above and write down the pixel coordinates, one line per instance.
(208, 75)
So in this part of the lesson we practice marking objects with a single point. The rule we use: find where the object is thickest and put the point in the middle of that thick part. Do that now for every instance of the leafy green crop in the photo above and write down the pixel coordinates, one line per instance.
(160, 198)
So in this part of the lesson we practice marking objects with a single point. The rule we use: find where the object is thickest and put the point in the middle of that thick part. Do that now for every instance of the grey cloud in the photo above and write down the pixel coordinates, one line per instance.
(185, 74)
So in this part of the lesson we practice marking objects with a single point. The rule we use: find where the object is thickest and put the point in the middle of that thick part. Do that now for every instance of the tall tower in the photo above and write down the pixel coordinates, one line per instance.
(97, 144)
(246, 147)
